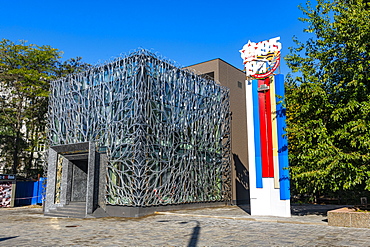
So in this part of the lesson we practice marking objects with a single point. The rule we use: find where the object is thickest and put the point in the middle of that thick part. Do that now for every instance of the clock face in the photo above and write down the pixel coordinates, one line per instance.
(261, 59)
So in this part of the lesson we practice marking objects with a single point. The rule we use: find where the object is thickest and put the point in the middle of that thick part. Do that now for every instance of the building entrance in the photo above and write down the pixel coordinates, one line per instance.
(79, 180)
(74, 179)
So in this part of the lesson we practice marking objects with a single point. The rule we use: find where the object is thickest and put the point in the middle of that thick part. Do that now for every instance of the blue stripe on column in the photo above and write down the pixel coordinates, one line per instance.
(257, 139)
(282, 140)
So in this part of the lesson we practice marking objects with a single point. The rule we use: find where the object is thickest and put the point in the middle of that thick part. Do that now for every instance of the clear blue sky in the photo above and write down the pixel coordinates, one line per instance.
(186, 32)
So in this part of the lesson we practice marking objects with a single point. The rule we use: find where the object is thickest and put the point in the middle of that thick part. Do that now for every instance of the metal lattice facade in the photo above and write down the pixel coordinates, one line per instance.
(166, 131)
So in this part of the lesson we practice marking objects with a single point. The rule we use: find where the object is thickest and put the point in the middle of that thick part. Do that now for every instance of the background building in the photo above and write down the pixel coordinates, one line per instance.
(234, 79)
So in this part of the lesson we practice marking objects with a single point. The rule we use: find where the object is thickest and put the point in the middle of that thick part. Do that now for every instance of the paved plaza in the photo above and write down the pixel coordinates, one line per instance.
(223, 226)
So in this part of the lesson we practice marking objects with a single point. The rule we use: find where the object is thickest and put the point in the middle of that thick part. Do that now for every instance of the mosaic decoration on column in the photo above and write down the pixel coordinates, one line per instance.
(58, 180)
(166, 131)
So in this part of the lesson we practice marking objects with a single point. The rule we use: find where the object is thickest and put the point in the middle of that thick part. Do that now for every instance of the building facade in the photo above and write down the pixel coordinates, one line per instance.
(137, 134)
(234, 79)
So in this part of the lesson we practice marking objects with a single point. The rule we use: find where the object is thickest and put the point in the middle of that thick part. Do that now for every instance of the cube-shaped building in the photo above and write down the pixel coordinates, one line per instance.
(135, 135)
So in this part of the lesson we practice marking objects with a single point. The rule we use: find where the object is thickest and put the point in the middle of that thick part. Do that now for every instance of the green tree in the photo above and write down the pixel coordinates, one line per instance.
(25, 73)
(328, 99)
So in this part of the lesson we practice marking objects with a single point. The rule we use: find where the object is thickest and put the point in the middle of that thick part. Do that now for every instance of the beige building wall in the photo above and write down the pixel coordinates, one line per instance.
(233, 78)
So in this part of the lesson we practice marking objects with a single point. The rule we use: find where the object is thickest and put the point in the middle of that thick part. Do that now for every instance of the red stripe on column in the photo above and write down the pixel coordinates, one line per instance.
(266, 130)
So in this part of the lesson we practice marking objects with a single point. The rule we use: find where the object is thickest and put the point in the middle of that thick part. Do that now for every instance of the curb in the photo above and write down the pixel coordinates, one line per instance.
(243, 218)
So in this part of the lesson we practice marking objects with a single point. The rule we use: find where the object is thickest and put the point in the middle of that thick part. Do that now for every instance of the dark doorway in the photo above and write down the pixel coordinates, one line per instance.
(79, 180)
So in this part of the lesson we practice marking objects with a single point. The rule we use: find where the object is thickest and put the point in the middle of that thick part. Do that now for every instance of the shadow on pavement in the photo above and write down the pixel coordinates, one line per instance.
(246, 208)
(3, 239)
(313, 209)
(195, 235)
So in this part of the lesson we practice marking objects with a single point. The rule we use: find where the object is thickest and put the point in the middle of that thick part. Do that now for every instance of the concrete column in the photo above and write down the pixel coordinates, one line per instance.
(50, 188)
(90, 179)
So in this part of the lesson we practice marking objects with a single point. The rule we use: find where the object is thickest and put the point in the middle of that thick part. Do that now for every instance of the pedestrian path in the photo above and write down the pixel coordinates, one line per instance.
(301, 214)
(223, 226)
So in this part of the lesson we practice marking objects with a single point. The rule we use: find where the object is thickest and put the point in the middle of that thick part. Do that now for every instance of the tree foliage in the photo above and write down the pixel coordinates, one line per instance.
(25, 73)
(328, 99)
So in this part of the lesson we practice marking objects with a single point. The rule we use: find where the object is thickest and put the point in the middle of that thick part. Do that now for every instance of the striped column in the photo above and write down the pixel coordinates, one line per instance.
(267, 147)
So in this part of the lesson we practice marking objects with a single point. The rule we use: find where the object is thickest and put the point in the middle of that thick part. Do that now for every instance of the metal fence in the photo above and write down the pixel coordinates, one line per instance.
(29, 192)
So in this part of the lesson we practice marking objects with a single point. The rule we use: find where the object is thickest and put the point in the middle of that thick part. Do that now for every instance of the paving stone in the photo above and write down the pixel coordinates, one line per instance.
(28, 227)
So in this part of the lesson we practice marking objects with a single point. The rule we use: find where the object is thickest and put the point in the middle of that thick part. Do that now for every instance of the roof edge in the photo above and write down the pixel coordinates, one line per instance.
(214, 60)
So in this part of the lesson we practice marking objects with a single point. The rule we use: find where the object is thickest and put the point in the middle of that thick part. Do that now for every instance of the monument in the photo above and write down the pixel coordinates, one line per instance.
(267, 143)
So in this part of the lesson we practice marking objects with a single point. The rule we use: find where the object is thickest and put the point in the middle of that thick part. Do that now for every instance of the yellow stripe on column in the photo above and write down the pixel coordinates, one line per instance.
(274, 133)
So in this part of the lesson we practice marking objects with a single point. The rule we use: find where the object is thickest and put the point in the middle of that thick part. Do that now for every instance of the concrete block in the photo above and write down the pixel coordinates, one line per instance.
(348, 217)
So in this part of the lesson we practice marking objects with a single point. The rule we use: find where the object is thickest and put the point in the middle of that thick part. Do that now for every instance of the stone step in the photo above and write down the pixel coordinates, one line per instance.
(75, 205)
(65, 215)
(72, 210)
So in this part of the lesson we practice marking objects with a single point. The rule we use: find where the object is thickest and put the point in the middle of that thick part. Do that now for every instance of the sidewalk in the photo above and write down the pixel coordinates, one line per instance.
(301, 214)
(222, 226)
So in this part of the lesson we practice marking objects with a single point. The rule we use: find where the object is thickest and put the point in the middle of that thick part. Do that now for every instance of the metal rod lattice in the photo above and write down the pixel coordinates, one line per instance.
(166, 131)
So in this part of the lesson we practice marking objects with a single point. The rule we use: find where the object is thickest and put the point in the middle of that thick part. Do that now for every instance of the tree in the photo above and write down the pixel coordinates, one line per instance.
(328, 100)
(25, 73)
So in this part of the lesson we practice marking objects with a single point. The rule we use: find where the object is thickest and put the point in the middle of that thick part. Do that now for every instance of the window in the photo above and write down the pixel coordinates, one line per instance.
(240, 84)
(210, 75)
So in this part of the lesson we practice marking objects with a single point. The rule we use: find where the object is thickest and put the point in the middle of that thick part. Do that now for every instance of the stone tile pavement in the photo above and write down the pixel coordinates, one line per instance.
(223, 226)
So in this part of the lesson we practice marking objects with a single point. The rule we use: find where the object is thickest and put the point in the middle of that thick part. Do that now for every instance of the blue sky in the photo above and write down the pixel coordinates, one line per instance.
(187, 32)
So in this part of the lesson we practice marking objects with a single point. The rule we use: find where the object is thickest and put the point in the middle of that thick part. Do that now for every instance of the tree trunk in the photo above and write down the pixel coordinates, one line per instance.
(16, 152)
